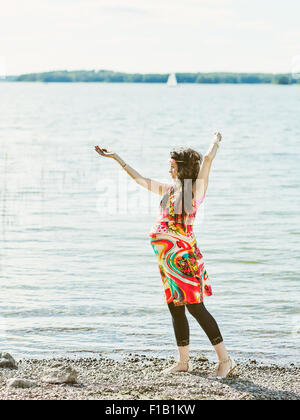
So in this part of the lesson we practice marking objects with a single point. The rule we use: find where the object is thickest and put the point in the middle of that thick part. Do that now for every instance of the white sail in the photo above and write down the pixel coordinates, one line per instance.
(172, 80)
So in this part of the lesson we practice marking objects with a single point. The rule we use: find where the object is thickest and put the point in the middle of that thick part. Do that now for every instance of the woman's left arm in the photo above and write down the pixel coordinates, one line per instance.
(201, 183)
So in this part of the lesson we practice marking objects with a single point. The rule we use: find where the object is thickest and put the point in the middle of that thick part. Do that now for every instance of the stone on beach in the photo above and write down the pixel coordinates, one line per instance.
(61, 375)
(201, 358)
(20, 383)
(7, 361)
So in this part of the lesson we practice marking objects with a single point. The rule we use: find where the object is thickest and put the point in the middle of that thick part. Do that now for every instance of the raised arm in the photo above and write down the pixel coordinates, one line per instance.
(151, 184)
(201, 183)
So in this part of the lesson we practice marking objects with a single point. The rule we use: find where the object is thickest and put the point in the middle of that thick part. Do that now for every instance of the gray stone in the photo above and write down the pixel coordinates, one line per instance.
(201, 358)
(7, 361)
(20, 383)
(61, 375)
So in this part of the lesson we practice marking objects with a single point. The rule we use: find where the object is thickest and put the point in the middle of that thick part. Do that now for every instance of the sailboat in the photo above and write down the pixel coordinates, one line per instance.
(172, 81)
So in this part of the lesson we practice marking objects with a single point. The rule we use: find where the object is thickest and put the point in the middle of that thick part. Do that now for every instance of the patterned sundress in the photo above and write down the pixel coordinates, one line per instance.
(180, 261)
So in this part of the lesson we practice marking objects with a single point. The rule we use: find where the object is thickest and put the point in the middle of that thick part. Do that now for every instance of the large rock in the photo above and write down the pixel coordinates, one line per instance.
(20, 383)
(7, 361)
(60, 375)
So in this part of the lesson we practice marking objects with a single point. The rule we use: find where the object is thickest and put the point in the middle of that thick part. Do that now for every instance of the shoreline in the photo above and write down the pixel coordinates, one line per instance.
(138, 377)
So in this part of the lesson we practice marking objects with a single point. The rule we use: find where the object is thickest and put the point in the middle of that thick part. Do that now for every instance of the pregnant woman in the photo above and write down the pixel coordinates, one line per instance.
(180, 261)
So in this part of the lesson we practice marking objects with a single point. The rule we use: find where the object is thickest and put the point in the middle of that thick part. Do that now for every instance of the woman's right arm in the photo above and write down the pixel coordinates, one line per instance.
(201, 184)
(150, 184)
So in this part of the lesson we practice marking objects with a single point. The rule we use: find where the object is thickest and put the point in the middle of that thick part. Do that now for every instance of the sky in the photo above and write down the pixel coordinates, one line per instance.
(149, 36)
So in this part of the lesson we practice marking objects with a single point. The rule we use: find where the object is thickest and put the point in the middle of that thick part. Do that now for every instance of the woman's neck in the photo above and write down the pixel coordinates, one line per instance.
(177, 185)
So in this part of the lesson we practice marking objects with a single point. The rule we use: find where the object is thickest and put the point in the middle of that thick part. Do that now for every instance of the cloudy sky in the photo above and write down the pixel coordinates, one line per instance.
(149, 35)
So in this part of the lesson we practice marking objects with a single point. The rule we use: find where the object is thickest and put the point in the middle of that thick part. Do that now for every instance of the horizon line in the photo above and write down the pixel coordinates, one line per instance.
(142, 73)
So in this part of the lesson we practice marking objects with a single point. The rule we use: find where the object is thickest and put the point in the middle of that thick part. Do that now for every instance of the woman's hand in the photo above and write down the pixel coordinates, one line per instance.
(104, 152)
(217, 137)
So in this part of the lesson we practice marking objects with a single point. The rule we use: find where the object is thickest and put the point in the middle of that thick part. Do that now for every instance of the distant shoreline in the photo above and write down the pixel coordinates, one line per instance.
(107, 76)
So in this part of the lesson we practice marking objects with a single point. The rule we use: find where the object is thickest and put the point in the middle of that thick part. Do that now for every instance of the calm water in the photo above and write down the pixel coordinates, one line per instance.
(78, 274)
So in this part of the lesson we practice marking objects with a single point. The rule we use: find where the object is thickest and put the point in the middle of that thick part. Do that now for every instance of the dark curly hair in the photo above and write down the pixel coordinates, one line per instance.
(188, 163)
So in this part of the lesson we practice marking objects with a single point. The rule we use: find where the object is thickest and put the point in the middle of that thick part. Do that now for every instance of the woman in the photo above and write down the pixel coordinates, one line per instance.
(180, 261)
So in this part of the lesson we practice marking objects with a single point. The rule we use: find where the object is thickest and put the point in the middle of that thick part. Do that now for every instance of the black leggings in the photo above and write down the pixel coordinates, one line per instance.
(203, 317)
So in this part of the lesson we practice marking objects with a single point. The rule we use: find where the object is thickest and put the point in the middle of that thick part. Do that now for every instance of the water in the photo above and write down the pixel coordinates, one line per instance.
(78, 274)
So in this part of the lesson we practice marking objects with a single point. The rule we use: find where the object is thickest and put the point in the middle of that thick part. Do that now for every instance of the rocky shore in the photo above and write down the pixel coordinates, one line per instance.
(138, 377)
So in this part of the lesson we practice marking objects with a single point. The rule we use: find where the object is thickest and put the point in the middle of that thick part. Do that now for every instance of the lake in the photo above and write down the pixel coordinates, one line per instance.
(78, 274)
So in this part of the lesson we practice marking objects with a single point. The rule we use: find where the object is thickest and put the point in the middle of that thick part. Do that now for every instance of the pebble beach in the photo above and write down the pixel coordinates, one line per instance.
(138, 377)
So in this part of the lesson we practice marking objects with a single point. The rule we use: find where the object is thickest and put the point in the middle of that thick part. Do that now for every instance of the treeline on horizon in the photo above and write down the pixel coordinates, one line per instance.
(115, 77)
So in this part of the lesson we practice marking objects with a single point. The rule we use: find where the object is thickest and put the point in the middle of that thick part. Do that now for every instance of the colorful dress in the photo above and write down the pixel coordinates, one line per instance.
(180, 261)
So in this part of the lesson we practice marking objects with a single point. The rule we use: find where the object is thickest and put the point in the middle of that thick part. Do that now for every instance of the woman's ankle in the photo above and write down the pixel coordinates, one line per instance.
(183, 362)
(221, 351)
(184, 353)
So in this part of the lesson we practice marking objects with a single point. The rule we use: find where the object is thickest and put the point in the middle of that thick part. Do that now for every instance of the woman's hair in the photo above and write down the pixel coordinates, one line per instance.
(188, 163)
